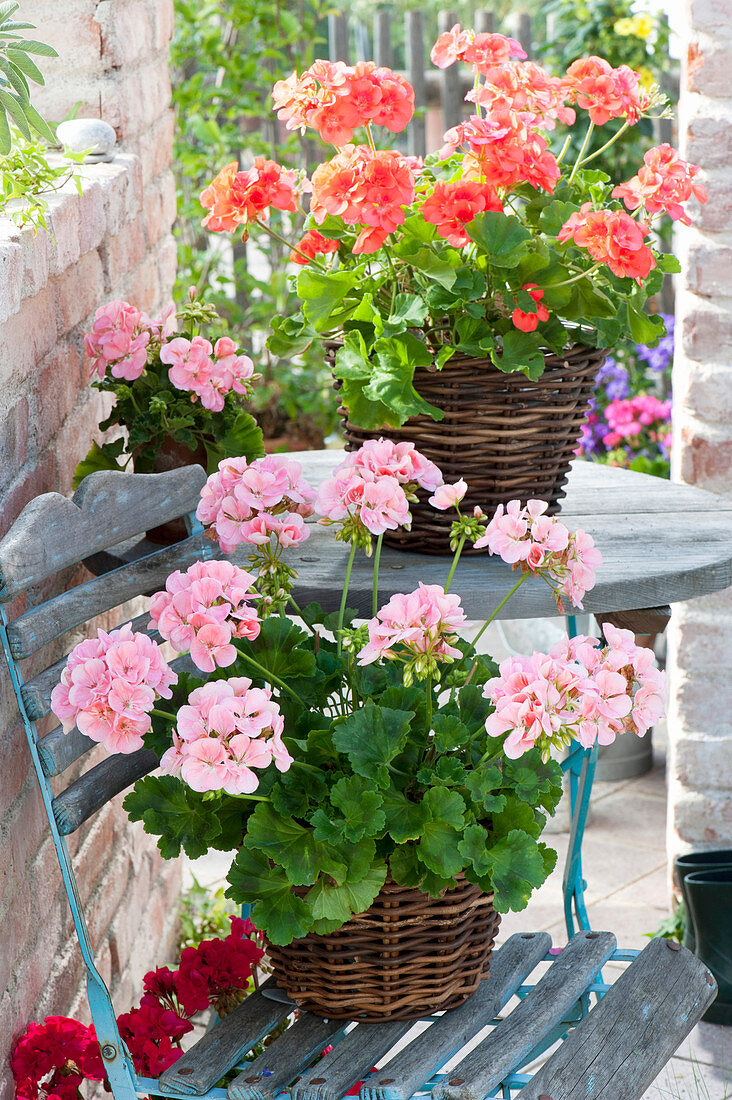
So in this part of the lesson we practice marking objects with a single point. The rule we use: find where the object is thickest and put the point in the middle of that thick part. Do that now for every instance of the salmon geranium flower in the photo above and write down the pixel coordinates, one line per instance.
(611, 237)
(528, 321)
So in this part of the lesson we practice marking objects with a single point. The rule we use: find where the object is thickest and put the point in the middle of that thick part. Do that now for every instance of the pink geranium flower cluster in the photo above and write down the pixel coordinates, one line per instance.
(109, 687)
(663, 184)
(235, 198)
(203, 609)
(372, 487)
(452, 206)
(334, 99)
(579, 691)
(366, 187)
(252, 501)
(227, 729)
(120, 336)
(209, 372)
(421, 625)
(605, 92)
(611, 237)
(483, 51)
(528, 539)
(628, 417)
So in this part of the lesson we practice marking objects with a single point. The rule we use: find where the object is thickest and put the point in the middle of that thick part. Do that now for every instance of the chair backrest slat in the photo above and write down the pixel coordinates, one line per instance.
(37, 692)
(90, 792)
(52, 532)
(41, 625)
(59, 750)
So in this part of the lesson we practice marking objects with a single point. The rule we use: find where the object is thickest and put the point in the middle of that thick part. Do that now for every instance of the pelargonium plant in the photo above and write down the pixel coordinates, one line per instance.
(177, 393)
(498, 246)
(327, 751)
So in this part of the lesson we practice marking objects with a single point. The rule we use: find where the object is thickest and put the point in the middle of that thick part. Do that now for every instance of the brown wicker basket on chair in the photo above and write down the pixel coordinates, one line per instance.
(408, 955)
(509, 437)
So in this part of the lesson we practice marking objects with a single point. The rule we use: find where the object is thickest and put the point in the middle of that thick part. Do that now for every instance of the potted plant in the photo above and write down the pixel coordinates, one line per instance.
(466, 301)
(384, 785)
(181, 398)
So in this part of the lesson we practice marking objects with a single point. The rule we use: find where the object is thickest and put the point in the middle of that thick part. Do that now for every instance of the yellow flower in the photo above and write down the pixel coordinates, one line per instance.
(647, 78)
(634, 26)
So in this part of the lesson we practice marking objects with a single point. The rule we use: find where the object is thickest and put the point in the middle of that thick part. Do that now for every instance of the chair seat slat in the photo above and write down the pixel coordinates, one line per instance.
(36, 628)
(548, 1003)
(283, 1060)
(37, 692)
(350, 1061)
(92, 790)
(624, 1043)
(53, 532)
(414, 1065)
(223, 1046)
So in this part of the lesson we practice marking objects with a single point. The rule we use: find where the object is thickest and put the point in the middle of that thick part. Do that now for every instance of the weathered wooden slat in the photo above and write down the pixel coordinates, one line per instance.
(414, 52)
(92, 790)
(59, 750)
(338, 37)
(222, 1046)
(621, 1047)
(36, 693)
(383, 53)
(349, 1061)
(451, 93)
(413, 1066)
(31, 631)
(545, 1006)
(280, 1063)
(53, 532)
(484, 21)
(644, 620)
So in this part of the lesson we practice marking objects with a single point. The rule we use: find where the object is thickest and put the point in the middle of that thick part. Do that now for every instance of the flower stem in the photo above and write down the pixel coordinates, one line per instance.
(299, 612)
(576, 278)
(564, 149)
(455, 560)
(375, 592)
(270, 676)
(428, 689)
(293, 248)
(582, 151)
(253, 797)
(503, 602)
(607, 144)
(164, 714)
(342, 609)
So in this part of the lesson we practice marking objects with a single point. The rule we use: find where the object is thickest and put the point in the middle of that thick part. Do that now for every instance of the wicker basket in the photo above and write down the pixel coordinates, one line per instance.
(408, 955)
(510, 438)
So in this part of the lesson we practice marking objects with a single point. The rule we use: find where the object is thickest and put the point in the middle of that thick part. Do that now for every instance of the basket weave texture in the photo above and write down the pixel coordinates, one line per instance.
(408, 955)
(509, 437)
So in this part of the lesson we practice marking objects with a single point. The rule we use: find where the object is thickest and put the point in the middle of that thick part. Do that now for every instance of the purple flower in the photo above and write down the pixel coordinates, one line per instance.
(615, 379)
(659, 358)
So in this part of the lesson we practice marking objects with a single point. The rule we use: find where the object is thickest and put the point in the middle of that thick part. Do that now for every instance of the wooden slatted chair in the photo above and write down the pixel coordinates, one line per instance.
(612, 1053)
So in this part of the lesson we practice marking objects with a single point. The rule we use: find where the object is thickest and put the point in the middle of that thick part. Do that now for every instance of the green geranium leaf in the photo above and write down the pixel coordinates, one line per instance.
(517, 815)
(646, 329)
(280, 913)
(405, 867)
(450, 733)
(484, 786)
(405, 820)
(554, 215)
(243, 437)
(408, 311)
(360, 806)
(99, 458)
(437, 268)
(521, 351)
(371, 737)
(438, 848)
(369, 415)
(289, 845)
(352, 360)
(502, 237)
(516, 869)
(297, 791)
(281, 652)
(392, 376)
(177, 815)
(533, 780)
(474, 849)
(337, 904)
(290, 336)
(669, 264)
(321, 293)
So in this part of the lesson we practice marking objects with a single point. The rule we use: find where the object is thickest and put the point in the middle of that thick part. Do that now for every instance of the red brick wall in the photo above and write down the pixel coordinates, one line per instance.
(113, 242)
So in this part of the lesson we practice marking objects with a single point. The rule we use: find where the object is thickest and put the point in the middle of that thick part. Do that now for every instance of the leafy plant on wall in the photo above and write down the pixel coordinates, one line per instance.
(225, 57)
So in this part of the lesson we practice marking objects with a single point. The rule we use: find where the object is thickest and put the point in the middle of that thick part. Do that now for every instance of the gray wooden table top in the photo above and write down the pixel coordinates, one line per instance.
(660, 543)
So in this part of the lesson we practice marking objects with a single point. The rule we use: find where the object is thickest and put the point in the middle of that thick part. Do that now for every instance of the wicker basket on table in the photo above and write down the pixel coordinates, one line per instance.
(407, 956)
(509, 437)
